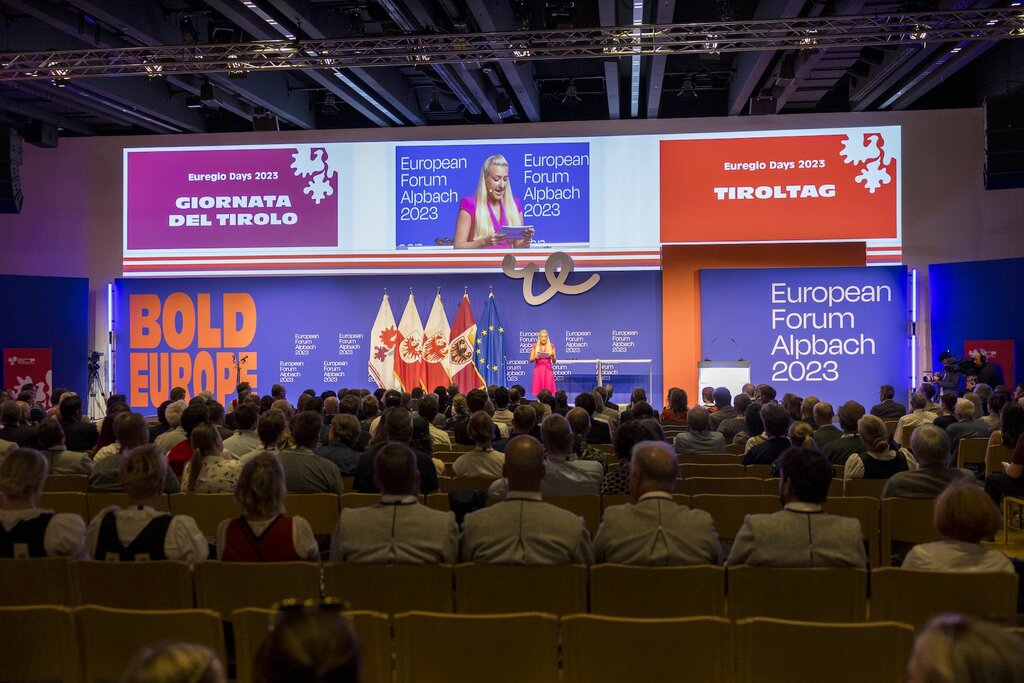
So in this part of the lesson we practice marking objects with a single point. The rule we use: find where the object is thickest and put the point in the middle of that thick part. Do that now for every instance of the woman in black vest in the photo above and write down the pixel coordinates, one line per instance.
(877, 460)
(26, 530)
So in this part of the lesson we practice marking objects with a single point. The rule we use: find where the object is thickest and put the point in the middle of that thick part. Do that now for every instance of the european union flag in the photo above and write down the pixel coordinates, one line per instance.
(490, 345)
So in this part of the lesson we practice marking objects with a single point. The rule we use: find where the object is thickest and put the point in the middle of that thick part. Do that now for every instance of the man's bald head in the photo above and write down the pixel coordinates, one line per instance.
(524, 463)
(653, 467)
(579, 422)
(396, 470)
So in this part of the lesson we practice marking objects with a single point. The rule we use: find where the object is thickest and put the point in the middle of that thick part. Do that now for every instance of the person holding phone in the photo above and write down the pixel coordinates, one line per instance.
(542, 355)
(482, 216)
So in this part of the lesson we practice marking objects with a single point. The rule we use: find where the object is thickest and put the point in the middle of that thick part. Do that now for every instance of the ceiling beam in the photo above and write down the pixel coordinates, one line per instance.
(751, 66)
(93, 105)
(606, 13)
(949, 65)
(28, 111)
(663, 14)
(489, 16)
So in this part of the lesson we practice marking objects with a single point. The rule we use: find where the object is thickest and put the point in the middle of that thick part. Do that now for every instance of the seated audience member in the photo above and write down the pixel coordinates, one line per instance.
(839, 450)
(732, 426)
(611, 418)
(6, 447)
(427, 409)
(707, 399)
(641, 411)
(25, 529)
(677, 409)
(14, 415)
(888, 408)
(600, 432)
(930, 446)
(996, 402)
(304, 470)
(807, 411)
(776, 427)
(139, 531)
(216, 416)
(244, 439)
(502, 413)
(699, 438)
(629, 435)
(611, 411)
(801, 435)
(1009, 482)
(964, 516)
(264, 532)
(979, 404)
(398, 529)
(955, 648)
(475, 401)
(724, 410)
(754, 432)
(579, 423)
(309, 645)
(270, 429)
(341, 440)
(132, 431)
(107, 436)
(396, 425)
(524, 421)
(369, 410)
(482, 461)
(523, 529)
(948, 415)
(792, 403)
(563, 474)
(80, 434)
(654, 530)
(928, 389)
(175, 435)
(169, 661)
(967, 426)
(209, 471)
(918, 415)
(182, 453)
(800, 535)
(825, 432)
(637, 396)
(765, 394)
(59, 458)
(877, 460)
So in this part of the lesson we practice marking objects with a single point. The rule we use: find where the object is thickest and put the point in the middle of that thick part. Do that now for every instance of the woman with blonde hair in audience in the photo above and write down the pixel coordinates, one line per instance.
(978, 404)
(141, 531)
(964, 516)
(209, 470)
(877, 461)
(26, 530)
(264, 532)
(955, 648)
(175, 662)
(801, 435)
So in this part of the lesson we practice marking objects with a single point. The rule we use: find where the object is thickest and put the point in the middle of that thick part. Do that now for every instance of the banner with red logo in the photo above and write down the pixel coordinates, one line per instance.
(29, 366)
(997, 351)
(839, 184)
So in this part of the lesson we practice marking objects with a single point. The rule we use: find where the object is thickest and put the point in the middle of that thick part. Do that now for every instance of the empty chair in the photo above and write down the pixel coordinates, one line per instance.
(506, 648)
(814, 593)
(995, 456)
(735, 448)
(971, 451)
(686, 649)
(164, 584)
(759, 471)
(864, 509)
(64, 501)
(687, 470)
(39, 644)
(653, 592)
(912, 597)
(250, 626)
(876, 652)
(36, 581)
(319, 509)
(110, 637)
(730, 511)
(740, 486)
(227, 586)
(495, 588)
(76, 483)
(587, 507)
(391, 588)
(438, 501)
(711, 458)
(872, 488)
(358, 500)
(208, 509)
(905, 520)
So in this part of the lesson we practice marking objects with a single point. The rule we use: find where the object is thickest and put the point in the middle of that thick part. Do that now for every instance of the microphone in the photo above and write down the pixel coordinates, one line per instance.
(710, 344)
(738, 349)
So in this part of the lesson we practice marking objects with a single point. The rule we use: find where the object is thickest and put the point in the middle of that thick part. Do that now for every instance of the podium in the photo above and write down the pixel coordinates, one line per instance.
(731, 374)
(580, 374)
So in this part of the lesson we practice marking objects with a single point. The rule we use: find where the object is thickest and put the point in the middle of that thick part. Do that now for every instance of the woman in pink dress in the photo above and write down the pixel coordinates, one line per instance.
(542, 355)
(493, 207)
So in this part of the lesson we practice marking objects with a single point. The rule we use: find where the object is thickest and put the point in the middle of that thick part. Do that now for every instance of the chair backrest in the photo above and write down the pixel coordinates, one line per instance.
(36, 581)
(710, 459)
(614, 499)
(208, 509)
(391, 588)
(163, 584)
(759, 471)
(357, 500)
(39, 644)
(912, 597)
(319, 509)
(836, 594)
(494, 588)
(995, 456)
(729, 511)
(458, 647)
(76, 483)
(446, 456)
(735, 486)
(864, 509)
(876, 652)
(971, 451)
(226, 586)
(890, 427)
(99, 501)
(439, 501)
(587, 507)
(908, 436)
(472, 483)
(462, 448)
(605, 448)
(348, 483)
(735, 448)
(74, 503)
(907, 520)
(110, 637)
(688, 470)
(686, 649)
(449, 469)
(620, 590)
(250, 626)
(872, 488)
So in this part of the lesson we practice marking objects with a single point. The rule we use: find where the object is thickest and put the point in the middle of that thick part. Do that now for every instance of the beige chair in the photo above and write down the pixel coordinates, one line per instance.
(614, 499)
(73, 503)
(587, 507)
(837, 594)
(710, 459)
(619, 590)
(439, 501)
(226, 586)
(162, 584)
(355, 500)
(494, 588)
(1010, 503)
(506, 648)
(913, 597)
(472, 483)
(461, 448)
(687, 649)
(735, 448)
(447, 456)
(321, 510)
(74, 483)
(36, 581)
(971, 452)
(730, 511)
(871, 488)
(606, 448)
(449, 470)
(109, 638)
(733, 486)
(890, 427)
(348, 483)
(39, 643)
(865, 510)
(766, 651)
(995, 456)
(208, 509)
(688, 470)
(759, 471)
(101, 501)
(906, 520)
(391, 588)
(250, 626)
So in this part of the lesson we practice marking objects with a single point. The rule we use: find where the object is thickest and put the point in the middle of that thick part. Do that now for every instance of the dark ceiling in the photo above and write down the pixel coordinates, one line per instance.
(908, 74)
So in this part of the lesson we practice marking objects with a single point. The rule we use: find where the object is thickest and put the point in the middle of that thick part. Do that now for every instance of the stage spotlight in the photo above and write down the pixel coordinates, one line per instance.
(206, 93)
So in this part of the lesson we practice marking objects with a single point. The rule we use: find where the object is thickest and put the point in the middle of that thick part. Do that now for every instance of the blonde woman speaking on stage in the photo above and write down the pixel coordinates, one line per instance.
(542, 355)
(483, 216)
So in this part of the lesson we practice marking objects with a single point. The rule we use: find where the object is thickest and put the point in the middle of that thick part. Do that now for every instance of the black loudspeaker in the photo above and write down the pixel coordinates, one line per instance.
(10, 182)
(762, 106)
(42, 134)
(1004, 142)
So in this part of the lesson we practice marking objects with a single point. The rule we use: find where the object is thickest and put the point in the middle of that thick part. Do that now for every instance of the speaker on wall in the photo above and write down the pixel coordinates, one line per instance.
(10, 182)
(1004, 142)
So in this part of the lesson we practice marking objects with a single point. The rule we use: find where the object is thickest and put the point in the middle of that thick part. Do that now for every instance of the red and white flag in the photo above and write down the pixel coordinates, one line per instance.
(383, 342)
(435, 347)
(462, 349)
(409, 356)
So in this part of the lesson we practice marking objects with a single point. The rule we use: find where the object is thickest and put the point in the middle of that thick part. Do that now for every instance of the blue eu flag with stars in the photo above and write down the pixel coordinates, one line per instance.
(490, 345)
